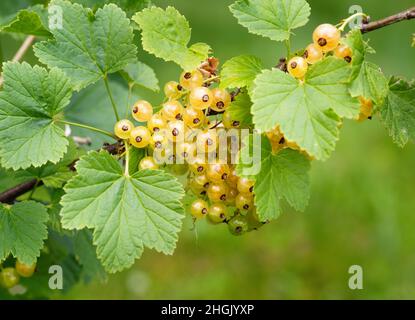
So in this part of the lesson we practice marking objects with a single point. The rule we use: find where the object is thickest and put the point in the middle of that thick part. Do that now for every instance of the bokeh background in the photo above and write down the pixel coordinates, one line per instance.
(362, 206)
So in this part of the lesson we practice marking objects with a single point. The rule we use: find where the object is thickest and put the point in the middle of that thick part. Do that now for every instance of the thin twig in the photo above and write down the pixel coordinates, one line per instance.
(21, 52)
(9, 196)
(401, 16)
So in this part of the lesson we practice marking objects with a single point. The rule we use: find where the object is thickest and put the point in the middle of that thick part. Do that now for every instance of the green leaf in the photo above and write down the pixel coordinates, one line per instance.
(126, 212)
(86, 253)
(166, 34)
(88, 47)
(284, 175)
(370, 83)
(10, 178)
(240, 109)
(135, 157)
(140, 74)
(29, 102)
(368, 80)
(129, 6)
(398, 111)
(30, 21)
(271, 18)
(240, 71)
(99, 116)
(23, 230)
(304, 110)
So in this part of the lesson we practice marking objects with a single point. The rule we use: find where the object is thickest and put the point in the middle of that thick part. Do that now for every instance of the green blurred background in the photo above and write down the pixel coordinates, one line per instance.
(362, 206)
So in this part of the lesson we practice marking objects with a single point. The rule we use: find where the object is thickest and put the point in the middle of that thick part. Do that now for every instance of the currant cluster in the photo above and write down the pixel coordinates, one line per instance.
(327, 40)
(10, 276)
(185, 135)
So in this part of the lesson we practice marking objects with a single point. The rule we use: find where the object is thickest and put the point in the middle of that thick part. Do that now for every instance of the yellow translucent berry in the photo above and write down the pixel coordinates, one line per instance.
(297, 67)
(217, 192)
(198, 166)
(218, 172)
(207, 141)
(140, 137)
(200, 98)
(191, 79)
(173, 89)
(231, 195)
(193, 118)
(244, 201)
(232, 180)
(186, 150)
(245, 185)
(221, 99)
(366, 109)
(156, 123)
(159, 140)
(313, 53)
(327, 37)
(199, 208)
(25, 270)
(175, 130)
(218, 213)
(172, 110)
(142, 111)
(122, 128)
(148, 163)
(229, 122)
(343, 52)
(9, 277)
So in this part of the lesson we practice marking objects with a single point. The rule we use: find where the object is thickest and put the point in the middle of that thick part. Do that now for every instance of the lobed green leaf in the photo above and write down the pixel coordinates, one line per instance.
(126, 212)
(271, 18)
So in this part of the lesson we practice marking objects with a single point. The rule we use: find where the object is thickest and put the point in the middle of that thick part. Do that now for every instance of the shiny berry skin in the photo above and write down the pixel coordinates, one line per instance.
(142, 111)
(245, 185)
(122, 128)
(327, 37)
(198, 166)
(193, 118)
(25, 271)
(218, 213)
(231, 196)
(218, 172)
(186, 150)
(202, 181)
(221, 99)
(172, 110)
(199, 208)
(173, 89)
(148, 163)
(156, 123)
(9, 277)
(207, 141)
(343, 52)
(217, 192)
(244, 201)
(366, 109)
(159, 140)
(229, 122)
(201, 98)
(192, 79)
(313, 53)
(175, 130)
(297, 67)
(199, 185)
(238, 225)
(232, 180)
(140, 137)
